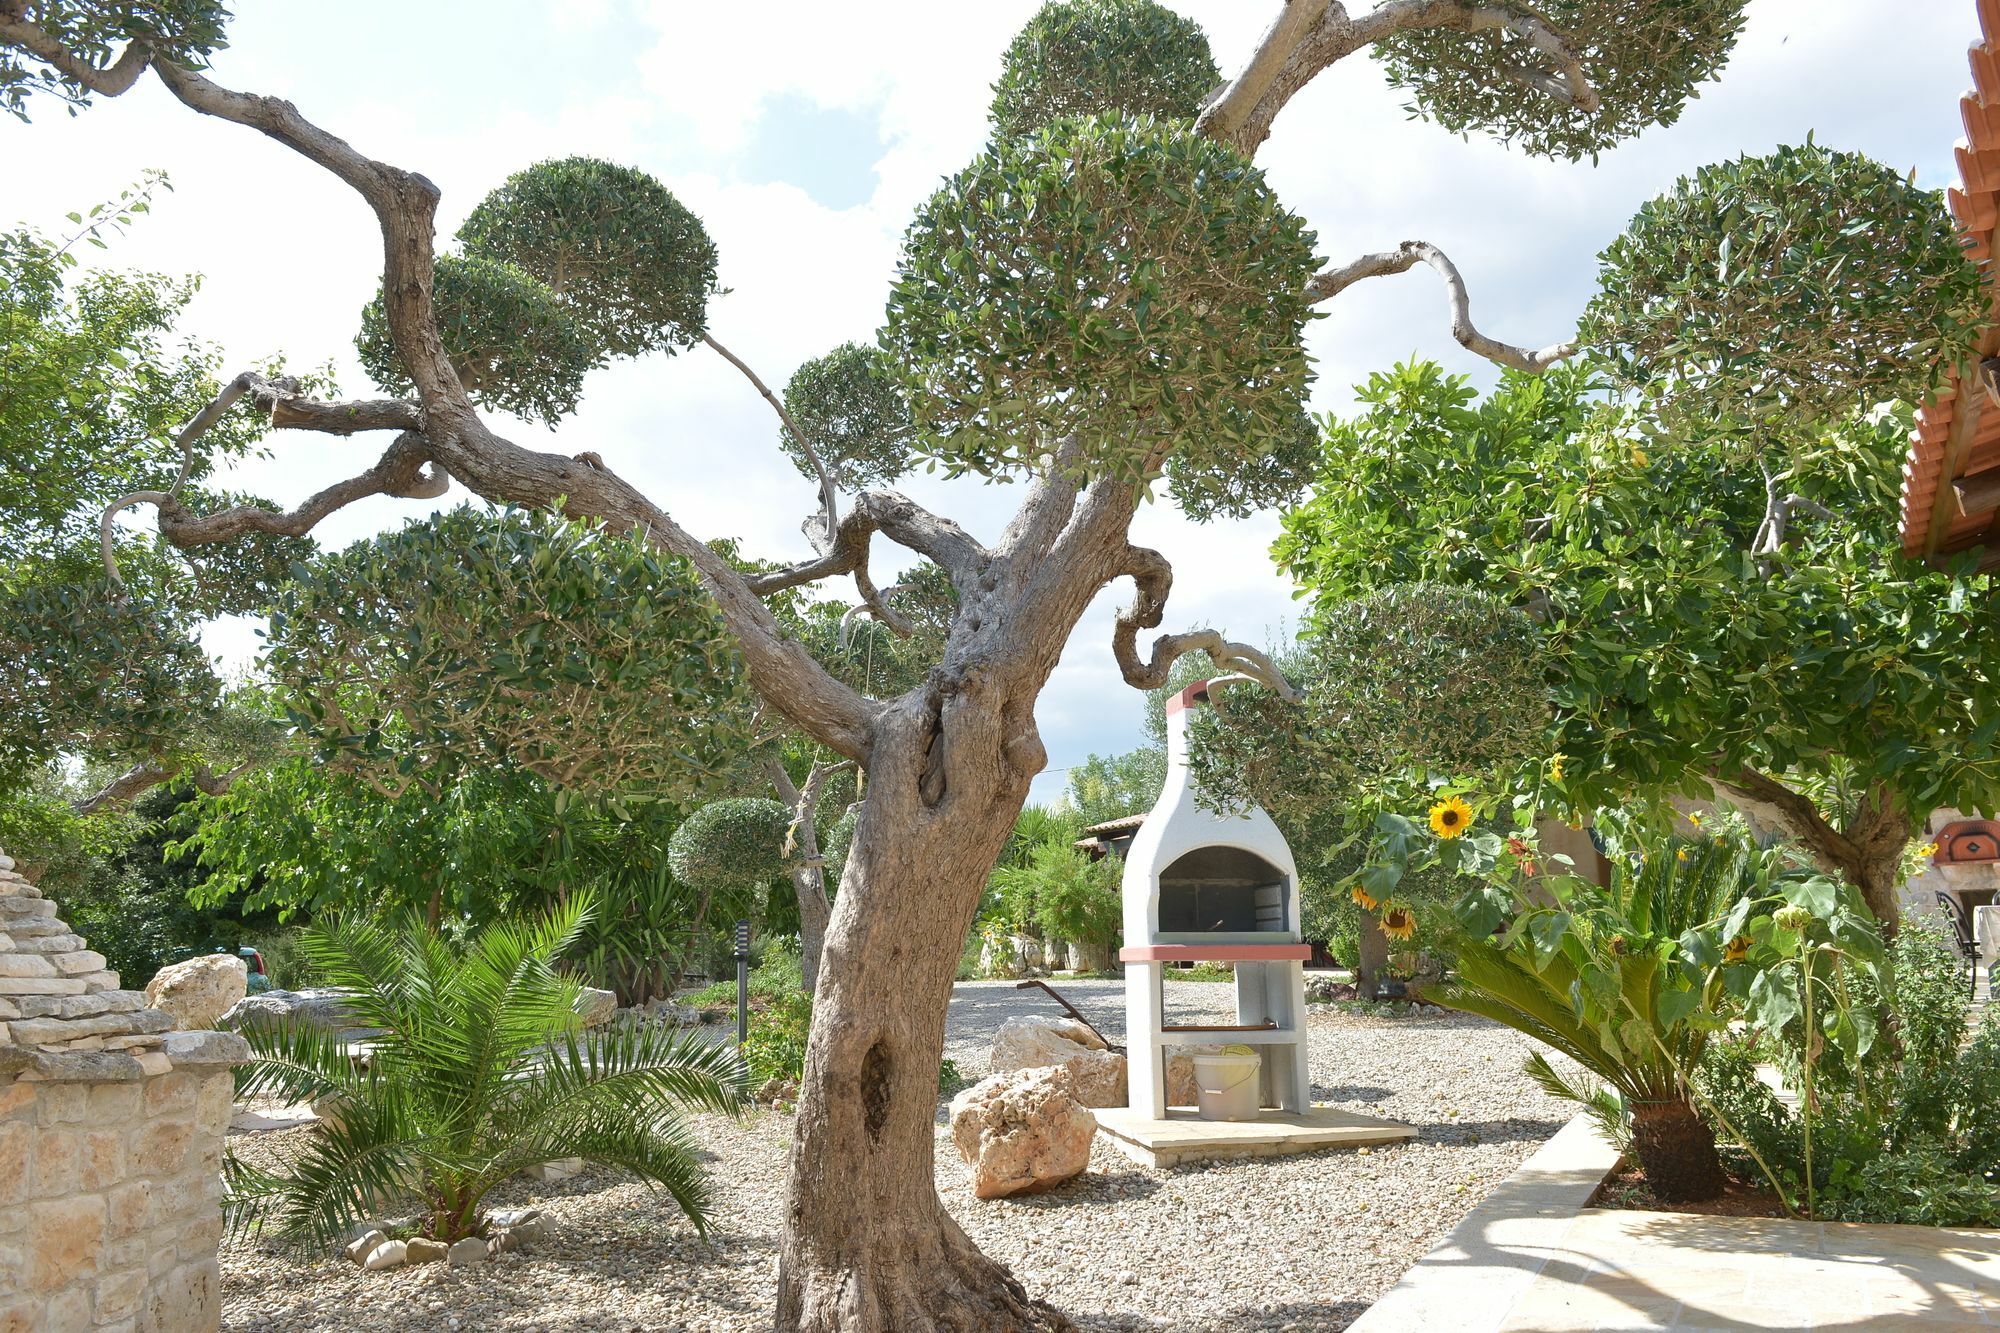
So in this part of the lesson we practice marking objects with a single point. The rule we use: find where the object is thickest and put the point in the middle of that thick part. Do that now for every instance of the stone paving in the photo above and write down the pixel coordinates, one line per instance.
(1534, 1259)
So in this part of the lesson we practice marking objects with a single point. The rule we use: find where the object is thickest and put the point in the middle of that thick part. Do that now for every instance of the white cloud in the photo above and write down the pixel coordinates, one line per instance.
(676, 87)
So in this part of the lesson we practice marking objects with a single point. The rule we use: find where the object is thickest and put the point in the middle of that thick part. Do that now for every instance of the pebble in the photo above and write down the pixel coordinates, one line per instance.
(1254, 1246)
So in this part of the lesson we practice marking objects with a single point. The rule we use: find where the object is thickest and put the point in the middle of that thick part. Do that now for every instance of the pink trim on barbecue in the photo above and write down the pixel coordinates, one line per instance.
(1196, 693)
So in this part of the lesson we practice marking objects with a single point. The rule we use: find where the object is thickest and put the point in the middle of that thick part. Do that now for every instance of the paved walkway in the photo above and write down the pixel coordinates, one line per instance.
(1533, 1259)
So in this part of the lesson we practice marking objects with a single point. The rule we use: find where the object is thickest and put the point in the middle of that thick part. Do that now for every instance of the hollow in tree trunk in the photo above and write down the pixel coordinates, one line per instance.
(1371, 952)
(1677, 1151)
(870, 1245)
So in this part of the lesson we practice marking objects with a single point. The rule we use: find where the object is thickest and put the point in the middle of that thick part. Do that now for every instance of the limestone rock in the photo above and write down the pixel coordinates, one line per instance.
(199, 991)
(421, 1251)
(389, 1254)
(1028, 1043)
(1097, 1075)
(471, 1250)
(1181, 1087)
(998, 959)
(560, 1169)
(364, 1245)
(1021, 1132)
(596, 1006)
(323, 1008)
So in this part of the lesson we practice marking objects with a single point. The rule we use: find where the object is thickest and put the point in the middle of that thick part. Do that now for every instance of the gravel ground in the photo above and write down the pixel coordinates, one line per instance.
(1302, 1243)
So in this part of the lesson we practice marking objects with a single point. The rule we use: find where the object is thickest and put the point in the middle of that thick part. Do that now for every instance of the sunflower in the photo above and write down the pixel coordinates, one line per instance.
(1681, 854)
(1399, 923)
(1450, 817)
(1362, 898)
(1927, 849)
(1736, 950)
(1556, 769)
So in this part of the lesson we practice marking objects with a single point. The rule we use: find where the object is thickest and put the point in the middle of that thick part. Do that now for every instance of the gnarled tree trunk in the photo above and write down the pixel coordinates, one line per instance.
(870, 1245)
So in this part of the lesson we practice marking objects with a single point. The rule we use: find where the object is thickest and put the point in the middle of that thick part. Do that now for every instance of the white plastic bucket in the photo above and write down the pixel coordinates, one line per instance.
(1226, 1084)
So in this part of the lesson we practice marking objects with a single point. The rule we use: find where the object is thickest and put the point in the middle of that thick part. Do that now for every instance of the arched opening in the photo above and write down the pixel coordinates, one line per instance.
(1226, 890)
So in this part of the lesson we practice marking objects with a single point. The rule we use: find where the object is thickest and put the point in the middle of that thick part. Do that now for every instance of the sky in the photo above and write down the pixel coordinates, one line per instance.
(805, 135)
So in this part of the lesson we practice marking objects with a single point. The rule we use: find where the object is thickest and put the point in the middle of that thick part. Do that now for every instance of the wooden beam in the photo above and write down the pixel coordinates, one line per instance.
(1966, 409)
(1978, 493)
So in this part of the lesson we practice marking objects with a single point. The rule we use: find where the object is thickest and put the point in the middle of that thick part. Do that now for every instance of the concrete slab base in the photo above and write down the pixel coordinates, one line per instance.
(1185, 1137)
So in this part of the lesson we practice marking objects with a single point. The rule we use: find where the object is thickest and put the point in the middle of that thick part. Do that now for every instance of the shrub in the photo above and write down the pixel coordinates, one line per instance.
(776, 1045)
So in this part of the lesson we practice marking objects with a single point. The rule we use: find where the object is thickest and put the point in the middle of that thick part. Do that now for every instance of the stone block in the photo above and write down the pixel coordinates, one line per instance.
(172, 1095)
(102, 1159)
(15, 1099)
(34, 928)
(187, 1300)
(43, 985)
(25, 906)
(16, 1139)
(68, 1066)
(57, 941)
(26, 965)
(67, 1104)
(205, 1048)
(79, 1006)
(119, 1295)
(129, 1209)
(200, 1238)
(9, 1008)
(154, 1063)
(114, 1102)
(41, 1031)
(71, 1309)
(77, 962)
(214, 1103)
(54, 1167)
(98, 981)
(160, 1149)
(65, 1239)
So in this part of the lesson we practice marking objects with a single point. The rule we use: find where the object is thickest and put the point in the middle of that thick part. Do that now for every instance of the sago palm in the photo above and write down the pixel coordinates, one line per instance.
(482, 1069)
(1601, 977)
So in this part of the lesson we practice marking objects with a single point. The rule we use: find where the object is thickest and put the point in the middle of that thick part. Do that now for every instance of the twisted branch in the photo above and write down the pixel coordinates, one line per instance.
(110, 81)
(904, 522)
(1408, 255)
(405, 470)
(141, 778)
(1154, 577)
(1310, 37)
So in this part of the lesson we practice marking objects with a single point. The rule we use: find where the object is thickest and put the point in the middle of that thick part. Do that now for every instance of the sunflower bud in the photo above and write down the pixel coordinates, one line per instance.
(1792, 917)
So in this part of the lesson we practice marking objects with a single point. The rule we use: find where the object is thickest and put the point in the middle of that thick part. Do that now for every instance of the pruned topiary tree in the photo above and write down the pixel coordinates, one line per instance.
(734, 848)
(1110, 299)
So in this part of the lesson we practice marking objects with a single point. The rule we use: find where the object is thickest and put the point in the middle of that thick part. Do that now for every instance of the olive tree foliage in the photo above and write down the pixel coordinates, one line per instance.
(852, 416)
(1399, 688)
(1751, 300)
(566, 265)
(517, 641)
(1079, 59)
(1621, 67)
(1100, 304)
(732, 844)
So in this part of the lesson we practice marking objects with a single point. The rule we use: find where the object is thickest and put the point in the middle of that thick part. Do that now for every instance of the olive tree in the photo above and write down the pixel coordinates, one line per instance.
(1101, 303)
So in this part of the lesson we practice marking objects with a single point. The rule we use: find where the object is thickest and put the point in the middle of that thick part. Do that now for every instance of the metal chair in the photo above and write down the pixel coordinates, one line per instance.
(1961, 929)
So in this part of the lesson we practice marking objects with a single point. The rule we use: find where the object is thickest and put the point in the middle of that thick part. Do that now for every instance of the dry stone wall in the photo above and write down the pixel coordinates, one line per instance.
(111, 1130)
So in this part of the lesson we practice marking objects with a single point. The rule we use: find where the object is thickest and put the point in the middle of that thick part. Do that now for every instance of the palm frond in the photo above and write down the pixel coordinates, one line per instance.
(297, 1062)
(1603, 1103)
